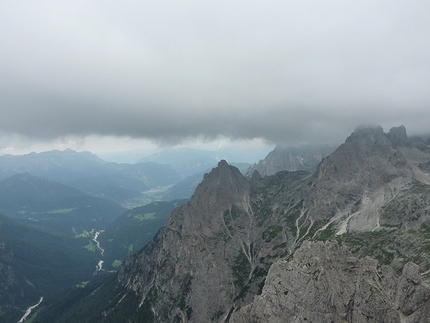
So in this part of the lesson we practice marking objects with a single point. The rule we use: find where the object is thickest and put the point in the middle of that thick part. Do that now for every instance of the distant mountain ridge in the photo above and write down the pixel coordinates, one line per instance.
(61, 166)
(291, 158)
(90, 174)
(189, 161)
(167, 175)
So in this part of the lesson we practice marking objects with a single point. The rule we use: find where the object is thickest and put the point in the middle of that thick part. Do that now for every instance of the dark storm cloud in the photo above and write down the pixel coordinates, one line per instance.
(170, 70)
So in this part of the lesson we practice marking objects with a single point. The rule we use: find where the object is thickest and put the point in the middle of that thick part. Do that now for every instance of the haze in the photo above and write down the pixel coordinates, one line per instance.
(98, 73)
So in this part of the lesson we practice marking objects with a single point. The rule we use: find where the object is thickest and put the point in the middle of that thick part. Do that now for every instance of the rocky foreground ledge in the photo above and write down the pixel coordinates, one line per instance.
(324, 283)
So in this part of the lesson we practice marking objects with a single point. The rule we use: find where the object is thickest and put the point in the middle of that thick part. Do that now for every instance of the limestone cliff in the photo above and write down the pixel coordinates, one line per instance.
(192, 258)
(326, 283)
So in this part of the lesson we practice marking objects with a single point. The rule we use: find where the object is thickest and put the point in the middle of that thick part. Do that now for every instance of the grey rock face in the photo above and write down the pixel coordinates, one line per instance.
(189, 265)
(325, 283)
(282, 158)
(398, 137)
(364, 173)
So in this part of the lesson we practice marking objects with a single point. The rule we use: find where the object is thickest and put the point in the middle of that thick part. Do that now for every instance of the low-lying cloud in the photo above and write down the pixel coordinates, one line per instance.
(285, 71)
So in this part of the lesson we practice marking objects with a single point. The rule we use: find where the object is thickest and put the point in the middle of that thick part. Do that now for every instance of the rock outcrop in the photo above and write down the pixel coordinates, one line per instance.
(326, 283)
(193, 257)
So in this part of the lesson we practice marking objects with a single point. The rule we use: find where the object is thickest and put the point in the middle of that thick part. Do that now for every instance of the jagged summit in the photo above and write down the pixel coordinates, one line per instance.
(223, 172)
(398, 137)
(368, 171)
(366, 135)
(225, 178)
(367, 150)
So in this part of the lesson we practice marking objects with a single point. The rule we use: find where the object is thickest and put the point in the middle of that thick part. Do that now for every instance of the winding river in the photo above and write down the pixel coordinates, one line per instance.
(28, 311)
(99, 266)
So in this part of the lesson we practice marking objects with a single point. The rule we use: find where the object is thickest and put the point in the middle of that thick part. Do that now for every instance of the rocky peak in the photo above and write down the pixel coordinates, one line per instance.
(366, 142)
(191, 258)
(366, 132)
(366, 164)
(220, 188)
(368, 150)
(398, 136)
(224, 178)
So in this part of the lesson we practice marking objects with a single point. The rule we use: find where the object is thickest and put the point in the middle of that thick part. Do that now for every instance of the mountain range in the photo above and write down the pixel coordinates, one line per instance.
(90, 174)
(345, 243)
(165, 176)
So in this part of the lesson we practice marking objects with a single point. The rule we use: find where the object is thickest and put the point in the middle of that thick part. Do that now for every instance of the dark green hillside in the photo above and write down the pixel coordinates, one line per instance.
(37, 264)
(133, 230)
(89, 302)
(129, 232)
(73, 215)
(25, 188)
(46, 204)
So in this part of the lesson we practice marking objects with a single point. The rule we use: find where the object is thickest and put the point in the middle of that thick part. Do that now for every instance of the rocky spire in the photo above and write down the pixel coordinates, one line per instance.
(191, 258)
(398, 137)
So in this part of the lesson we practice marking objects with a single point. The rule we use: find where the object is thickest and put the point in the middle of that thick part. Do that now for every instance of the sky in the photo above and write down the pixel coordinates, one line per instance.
(116, 75)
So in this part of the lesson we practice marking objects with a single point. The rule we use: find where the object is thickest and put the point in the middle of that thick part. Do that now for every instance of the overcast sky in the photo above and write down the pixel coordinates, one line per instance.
(81, 73)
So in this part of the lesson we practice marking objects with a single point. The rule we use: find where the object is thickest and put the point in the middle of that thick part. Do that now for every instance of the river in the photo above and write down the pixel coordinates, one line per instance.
(28, 311)
(96, 236)
(99, 266)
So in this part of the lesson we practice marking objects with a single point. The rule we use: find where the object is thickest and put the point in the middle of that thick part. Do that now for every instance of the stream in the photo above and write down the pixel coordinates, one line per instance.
(99, 266)
(28, 312)
(96, 236)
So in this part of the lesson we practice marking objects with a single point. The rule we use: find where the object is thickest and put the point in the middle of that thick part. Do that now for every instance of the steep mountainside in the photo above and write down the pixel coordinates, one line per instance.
(132, 230)
(36, 264)
(371, 195)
